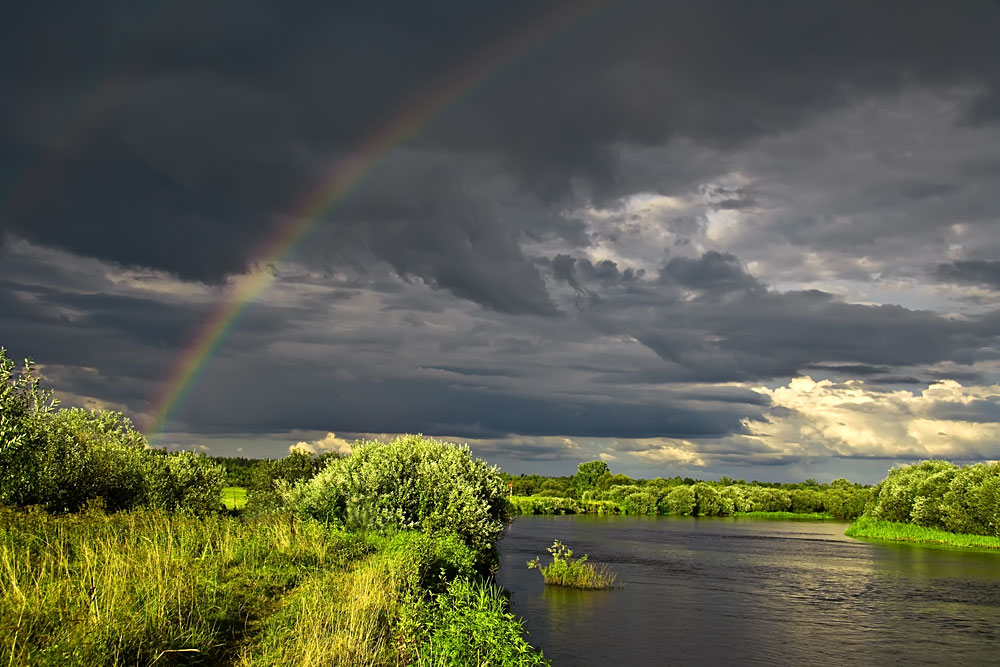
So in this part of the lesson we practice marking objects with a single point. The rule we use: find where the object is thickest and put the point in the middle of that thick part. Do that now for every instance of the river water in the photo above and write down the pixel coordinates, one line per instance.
(724, 591)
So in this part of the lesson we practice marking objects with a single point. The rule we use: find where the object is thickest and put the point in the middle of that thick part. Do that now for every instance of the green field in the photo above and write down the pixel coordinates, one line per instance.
(234, 497)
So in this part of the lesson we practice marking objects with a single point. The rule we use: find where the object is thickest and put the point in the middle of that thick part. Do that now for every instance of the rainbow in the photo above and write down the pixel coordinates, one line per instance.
(340, 181)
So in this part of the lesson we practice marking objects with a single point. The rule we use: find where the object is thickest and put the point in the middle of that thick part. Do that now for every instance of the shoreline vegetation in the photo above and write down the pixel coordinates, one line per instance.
(894, 531)
(114, 553)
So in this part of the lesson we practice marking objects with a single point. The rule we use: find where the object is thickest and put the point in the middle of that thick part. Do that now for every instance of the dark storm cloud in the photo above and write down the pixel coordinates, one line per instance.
(444, 407)
(712, 272)
(970, 272)
(712, 321)
(177, 136)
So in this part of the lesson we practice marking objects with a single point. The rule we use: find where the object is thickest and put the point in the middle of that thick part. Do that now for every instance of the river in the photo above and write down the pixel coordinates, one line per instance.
(724, 591)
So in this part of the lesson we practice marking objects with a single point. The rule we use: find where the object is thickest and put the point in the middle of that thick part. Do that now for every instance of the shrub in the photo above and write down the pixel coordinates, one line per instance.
(545, 505)
(267, 478)
(710, 502)
(23, 408)
(565, 570)
(410, 483)
(469, 624)
(640, 502)
(64, 460)
(896, 495)
(93, 455)
(186, 481)
(972, 503)
(680, 500)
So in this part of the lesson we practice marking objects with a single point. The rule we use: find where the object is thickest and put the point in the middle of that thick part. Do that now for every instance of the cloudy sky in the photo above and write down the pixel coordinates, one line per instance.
(701, 238)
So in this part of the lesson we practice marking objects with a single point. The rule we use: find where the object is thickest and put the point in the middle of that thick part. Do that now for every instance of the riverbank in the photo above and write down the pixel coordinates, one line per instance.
(794, 516)
(892, 531)
(529, 505)
(148, 586)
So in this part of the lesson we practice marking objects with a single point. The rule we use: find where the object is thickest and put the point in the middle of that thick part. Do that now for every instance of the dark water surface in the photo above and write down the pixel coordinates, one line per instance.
(752, 592)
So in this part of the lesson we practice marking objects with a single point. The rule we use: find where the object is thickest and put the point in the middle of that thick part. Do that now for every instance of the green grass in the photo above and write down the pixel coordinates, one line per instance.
(565, 570)
(234, 497)
(808, 516)
(110, 589)
(147, 587)
(906, 532)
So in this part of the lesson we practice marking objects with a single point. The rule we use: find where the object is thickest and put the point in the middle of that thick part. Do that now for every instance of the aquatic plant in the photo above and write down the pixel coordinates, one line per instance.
(565, 570)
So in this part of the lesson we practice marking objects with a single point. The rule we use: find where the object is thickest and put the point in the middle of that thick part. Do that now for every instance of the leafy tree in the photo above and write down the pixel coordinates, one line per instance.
(588, 473)
(607, 480)
(709, 502)
(63, 460)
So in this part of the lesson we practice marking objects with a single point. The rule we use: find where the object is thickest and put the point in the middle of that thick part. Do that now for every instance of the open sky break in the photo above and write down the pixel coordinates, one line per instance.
(701, 239)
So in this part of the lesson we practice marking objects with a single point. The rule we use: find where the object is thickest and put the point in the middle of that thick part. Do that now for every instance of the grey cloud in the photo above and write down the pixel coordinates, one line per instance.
(712, 272)
(971, 272)
(211, 133)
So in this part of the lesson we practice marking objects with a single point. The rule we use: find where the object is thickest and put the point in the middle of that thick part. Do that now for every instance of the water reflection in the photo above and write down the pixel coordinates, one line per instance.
(717, 591)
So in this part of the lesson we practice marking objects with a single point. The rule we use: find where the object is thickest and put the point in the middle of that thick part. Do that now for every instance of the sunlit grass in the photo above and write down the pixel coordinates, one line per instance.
(96, 589)
(337, 618)
(906, 532)
(234, 497)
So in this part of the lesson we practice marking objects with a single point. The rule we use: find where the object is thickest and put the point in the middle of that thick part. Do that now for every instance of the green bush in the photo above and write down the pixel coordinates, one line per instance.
(545, 505)
(709, 502)
(94, 455)
(187, 482)
(24, 405)
(895, 496)
(410, 483)
(470, 624)
(640, 502)
(679, 500)
(64, 460)
(971, 504)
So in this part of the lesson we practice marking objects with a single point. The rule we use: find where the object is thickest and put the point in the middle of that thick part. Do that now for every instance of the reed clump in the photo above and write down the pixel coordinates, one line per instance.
(574, 572)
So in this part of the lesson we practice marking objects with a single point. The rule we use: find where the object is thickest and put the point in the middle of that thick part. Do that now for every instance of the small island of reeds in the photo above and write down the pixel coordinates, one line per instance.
(567, 570)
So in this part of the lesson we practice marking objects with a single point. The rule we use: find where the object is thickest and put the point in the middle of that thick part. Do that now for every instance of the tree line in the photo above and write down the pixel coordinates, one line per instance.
(594, 488)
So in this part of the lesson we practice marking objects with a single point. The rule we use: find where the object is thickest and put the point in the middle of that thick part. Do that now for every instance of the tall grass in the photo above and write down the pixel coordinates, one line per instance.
(133, 588)
(148, 587)
(880, 529)
(333, 618)
(566, 570)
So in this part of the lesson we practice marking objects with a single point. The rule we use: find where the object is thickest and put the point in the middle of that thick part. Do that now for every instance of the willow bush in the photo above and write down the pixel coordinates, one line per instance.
(410, 483)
